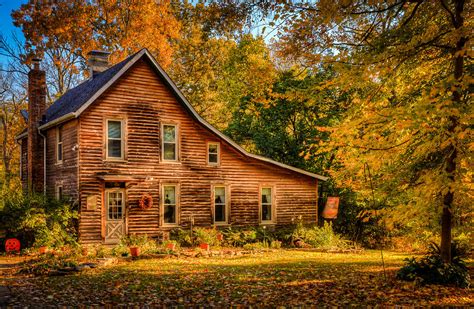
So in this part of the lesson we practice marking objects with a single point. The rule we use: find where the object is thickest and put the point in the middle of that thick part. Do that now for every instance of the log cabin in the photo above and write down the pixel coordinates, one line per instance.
(131, 152)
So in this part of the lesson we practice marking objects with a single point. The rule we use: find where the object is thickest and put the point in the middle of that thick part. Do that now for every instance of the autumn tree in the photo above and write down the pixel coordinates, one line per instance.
(64, 32)
(407, 63)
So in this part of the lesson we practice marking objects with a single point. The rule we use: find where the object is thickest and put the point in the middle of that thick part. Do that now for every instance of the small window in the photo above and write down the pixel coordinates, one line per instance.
(213, 150)
(170, 143)
(170, 212)
(220, 205)
(59, 192)
(59, 144)
(114, 139)
(267, 204)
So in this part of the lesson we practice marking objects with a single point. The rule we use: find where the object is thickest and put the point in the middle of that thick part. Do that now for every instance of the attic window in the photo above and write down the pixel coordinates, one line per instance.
(169, 147)
(114, 139)
(213, 150)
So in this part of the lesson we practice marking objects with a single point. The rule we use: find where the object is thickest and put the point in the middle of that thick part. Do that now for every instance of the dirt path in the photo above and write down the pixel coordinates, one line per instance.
(8, 267)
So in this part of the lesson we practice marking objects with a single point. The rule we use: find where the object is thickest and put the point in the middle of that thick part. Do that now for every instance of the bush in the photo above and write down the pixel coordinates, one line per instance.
(318, 237)
(182, 237)
(432, 269)
(207, 236)
(39, 221)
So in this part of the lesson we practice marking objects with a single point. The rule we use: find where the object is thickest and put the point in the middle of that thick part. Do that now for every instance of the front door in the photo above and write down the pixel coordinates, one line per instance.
(115, 208)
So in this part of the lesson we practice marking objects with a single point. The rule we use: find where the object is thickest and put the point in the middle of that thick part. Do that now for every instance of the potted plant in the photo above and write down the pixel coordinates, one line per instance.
(43, 241)
(85, 251)
(134, 242)
(204, 246)
(220, 237)
(170, 245)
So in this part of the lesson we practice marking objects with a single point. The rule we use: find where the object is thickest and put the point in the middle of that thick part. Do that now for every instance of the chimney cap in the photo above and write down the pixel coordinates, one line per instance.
(36, 62)
(99, 53)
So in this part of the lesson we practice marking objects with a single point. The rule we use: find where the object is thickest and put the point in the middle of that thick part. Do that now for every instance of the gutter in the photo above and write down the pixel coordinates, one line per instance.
(57, 121)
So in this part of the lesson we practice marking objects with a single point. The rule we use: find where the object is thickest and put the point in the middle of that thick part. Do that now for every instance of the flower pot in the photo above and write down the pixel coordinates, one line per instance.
(134, 251)
(85, 251)
(42, 249)
(171, 246)
(204, 247)
(220, 237)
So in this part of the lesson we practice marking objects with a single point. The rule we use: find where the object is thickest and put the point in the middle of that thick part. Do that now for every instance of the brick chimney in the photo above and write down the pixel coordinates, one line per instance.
(36, 109)
(98, 61)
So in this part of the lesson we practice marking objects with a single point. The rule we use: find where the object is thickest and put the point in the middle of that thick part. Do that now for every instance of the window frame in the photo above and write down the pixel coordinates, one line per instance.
(218, 163)
(177, 205)
(59, 192)
(226, 206)
(59, 132)
(273, 219)
(177, 142)
(122, 139)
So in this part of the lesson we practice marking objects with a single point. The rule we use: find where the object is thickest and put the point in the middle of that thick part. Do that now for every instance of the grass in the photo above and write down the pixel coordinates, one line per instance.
(284, 277)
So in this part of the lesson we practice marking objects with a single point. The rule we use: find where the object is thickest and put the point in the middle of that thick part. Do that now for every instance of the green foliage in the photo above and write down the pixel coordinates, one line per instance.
(206, 236)
(182, 236)
(431, 268)
(318, 237)
(134, 240)
(39, 221)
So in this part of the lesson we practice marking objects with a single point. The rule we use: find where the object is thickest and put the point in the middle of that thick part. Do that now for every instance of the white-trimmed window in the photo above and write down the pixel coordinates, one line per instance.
(169, 137)
(267, 205)
(59, 144)
(220, 205)
(59, 192)
(170, 204)
(115, 140)
(213, 153)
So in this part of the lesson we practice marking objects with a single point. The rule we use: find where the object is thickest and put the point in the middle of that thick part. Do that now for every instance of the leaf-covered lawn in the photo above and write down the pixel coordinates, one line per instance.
(285, 277)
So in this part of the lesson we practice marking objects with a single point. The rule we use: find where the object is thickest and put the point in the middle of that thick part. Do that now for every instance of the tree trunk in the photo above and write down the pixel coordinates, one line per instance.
(450, 167)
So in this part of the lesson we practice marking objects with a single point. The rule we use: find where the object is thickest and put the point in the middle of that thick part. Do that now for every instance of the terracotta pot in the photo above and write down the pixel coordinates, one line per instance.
(204, 247)
(85, 251)
(42, 249)
(134, 251)
(171, 246)
(220, 237)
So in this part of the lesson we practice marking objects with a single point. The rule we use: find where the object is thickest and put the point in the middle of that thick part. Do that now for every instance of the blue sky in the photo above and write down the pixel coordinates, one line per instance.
(6, 25)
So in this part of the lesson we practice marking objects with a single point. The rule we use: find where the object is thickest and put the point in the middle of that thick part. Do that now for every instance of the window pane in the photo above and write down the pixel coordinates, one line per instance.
(60, 134)
(266, 195)
(115, 205)
(213, 148)
(170, 195)
(115, 148)
(60, 152)
(115, 129)
(266, 212)
(220, 213)
(213, 158)
(169, 134)
(169, 151)
(219, 195)
(170, 214)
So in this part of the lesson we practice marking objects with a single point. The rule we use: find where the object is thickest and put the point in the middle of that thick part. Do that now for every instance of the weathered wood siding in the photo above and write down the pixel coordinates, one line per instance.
(144, 102)
(24, 163)
(65, 173)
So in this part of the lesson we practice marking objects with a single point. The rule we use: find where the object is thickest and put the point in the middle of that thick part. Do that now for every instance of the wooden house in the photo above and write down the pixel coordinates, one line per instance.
(131, 151)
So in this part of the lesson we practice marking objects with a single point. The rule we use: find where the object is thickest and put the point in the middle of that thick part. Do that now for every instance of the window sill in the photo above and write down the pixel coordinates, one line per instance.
(170, 162)
(115, 160)
(221, 223)
(268, 223)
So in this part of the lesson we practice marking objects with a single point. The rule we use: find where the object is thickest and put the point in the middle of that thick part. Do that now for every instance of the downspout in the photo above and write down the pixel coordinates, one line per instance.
(44, 161)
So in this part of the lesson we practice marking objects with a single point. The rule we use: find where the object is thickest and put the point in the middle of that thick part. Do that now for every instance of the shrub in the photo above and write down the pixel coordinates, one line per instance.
(206, 235)
(239, 237)
(432, 269)
(39, 221)
(318, 237)
(182, 237)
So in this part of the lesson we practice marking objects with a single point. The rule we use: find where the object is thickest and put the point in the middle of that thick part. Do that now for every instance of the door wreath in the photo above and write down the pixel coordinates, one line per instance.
(146, 201)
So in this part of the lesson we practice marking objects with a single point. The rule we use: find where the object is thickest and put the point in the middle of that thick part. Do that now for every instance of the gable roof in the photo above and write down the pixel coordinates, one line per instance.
(78, 99)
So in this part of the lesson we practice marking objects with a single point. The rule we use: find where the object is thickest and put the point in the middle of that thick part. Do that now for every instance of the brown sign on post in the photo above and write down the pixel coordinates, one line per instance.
(331, 208)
